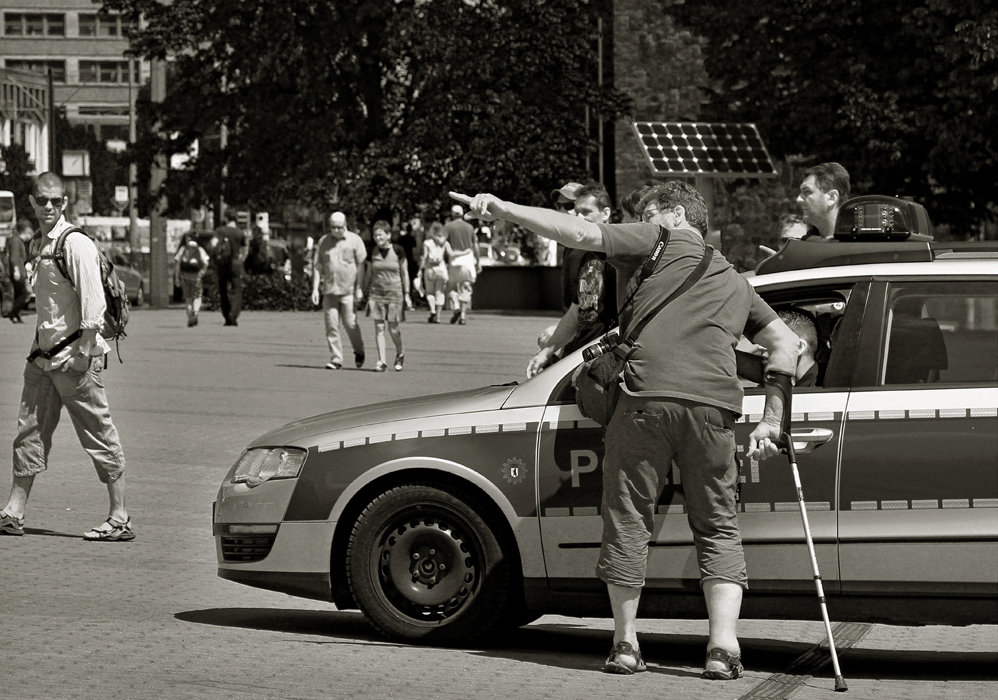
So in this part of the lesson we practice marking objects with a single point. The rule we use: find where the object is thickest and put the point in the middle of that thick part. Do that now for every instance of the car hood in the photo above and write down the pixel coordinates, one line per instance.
(301, 433)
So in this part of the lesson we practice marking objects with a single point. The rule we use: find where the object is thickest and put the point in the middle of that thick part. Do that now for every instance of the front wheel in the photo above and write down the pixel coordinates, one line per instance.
(425, 565)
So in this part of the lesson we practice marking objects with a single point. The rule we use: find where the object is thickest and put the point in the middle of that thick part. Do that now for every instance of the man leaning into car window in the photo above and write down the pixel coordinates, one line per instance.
(679, 401)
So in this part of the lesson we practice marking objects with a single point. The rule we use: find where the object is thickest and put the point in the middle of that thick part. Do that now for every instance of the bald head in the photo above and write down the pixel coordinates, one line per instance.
(48, 181)
(337, 224)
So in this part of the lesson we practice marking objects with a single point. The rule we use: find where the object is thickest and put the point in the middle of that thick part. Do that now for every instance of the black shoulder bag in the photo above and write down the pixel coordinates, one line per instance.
(597, 387)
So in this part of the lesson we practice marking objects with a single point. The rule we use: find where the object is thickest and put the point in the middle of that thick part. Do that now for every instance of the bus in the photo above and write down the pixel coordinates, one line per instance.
(8, 217)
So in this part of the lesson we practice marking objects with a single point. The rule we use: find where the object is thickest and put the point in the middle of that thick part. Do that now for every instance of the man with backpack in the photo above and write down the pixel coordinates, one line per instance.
(65, 364)
(228, 254)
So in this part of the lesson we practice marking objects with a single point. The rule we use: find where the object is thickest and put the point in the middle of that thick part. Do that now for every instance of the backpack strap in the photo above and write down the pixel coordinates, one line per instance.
(58, 254)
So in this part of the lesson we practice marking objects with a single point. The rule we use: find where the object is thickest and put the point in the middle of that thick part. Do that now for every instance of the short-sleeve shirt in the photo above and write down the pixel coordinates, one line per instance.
(687, 351)
(460, 235)
(593, 289)
(337, 261)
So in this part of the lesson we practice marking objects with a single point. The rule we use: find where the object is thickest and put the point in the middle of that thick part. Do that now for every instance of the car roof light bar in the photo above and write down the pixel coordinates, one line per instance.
(803, 255)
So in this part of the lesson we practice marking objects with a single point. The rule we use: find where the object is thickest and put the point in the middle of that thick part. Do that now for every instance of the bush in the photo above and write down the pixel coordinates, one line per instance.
(263, 293)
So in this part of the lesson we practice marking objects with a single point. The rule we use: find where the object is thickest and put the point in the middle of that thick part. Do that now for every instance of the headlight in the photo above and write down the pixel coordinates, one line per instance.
(261, 464)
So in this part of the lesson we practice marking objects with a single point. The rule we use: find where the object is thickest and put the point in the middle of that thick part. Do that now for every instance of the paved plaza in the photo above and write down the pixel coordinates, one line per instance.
(150, 618)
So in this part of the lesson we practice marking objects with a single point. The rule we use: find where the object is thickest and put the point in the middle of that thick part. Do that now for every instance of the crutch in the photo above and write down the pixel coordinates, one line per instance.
(840, 682)
(782, 382)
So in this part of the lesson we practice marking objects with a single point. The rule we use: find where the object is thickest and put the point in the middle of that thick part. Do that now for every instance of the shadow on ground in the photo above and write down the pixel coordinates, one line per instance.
(574, 647)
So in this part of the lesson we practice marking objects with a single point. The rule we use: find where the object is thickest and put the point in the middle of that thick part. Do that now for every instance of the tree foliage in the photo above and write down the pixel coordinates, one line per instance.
(375, 105)
(901, 93)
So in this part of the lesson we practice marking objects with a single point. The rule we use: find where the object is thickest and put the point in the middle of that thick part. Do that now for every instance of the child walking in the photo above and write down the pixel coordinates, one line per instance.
(386, 288)
(433, 269)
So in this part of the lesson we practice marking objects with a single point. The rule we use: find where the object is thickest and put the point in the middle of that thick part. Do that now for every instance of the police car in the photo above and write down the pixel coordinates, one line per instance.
(446, 517)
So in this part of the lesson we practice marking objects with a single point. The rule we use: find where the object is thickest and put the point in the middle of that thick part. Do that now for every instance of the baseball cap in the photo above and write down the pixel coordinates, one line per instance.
(458, 209)
(567, 192)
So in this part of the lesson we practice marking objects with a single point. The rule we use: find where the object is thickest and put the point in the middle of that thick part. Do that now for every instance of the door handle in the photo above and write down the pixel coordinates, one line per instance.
(807, 439)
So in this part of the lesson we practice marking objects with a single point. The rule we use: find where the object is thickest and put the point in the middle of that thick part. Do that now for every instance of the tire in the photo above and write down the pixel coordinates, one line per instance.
(140, 297)
(426, 566)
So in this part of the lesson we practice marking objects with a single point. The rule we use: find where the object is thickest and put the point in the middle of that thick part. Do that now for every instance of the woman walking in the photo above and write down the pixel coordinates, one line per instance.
(386, 288)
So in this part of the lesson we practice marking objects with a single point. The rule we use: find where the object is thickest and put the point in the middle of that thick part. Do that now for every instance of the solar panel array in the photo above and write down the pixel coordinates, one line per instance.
(713, 150)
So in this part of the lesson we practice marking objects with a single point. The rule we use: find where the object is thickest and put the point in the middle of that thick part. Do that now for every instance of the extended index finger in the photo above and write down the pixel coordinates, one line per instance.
(462, 198)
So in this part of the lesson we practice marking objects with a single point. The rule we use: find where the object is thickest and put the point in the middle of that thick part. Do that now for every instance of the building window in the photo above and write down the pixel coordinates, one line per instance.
(100, 25)
(58, 68)
(104, 71)
(34, 24)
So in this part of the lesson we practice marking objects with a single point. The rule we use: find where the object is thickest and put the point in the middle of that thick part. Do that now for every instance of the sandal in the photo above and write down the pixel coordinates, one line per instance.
(731, 665)
(624, 659)
(111, 530)
(9, 525)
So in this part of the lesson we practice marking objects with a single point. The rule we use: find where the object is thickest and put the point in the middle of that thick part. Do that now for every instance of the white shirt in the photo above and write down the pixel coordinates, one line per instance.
(65, 306)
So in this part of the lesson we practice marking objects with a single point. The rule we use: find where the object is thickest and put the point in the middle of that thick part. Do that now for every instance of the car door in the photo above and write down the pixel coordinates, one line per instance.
(570, 460)
(919, 477)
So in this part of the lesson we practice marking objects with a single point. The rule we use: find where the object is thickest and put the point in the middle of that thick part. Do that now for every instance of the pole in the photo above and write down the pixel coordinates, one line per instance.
(133, 190)
(158, 261)
(54, 165)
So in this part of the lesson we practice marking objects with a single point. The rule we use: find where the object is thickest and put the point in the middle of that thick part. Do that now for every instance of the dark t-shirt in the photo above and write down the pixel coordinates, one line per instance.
(460, 234)
(688, 350)
(594, 286)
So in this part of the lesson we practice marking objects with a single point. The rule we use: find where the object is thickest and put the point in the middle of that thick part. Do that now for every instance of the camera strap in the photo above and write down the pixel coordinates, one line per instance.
(691, 280)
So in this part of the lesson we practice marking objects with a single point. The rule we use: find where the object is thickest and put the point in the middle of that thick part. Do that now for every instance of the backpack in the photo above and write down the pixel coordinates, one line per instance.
(190, 259)
(115, 296)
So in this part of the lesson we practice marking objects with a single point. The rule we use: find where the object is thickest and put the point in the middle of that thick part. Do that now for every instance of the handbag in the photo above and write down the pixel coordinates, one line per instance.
(597, 381)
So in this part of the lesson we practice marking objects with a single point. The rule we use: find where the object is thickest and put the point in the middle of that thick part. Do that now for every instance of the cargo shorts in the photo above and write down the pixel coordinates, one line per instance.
(82, 393)
(643, 439)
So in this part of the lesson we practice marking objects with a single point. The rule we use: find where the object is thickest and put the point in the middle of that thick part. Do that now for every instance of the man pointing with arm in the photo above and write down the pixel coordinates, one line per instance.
(679, 402)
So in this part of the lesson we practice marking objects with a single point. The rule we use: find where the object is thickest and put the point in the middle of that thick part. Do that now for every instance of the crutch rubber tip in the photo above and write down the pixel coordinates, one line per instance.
(840, 684)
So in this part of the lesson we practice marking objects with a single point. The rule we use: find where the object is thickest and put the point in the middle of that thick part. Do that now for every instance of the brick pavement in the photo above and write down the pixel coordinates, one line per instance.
(150, 619)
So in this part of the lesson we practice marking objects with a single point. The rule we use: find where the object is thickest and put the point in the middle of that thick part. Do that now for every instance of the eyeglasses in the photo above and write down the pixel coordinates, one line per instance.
(44, 201)
(648, 214)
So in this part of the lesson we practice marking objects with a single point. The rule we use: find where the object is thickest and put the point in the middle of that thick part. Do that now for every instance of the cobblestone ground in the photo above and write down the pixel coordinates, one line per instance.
(150, 619)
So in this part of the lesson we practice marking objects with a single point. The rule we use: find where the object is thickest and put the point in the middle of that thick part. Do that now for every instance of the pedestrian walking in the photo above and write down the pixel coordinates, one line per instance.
(17, 258)
(228, 253)
(464, 266)
(336, 264)
(433, 270)
(386, 288)
(191, 262)
(64, 367)
(679, 401)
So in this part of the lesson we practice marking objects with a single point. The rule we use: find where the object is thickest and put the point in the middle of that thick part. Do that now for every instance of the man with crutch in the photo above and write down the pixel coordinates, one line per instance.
(679, 400)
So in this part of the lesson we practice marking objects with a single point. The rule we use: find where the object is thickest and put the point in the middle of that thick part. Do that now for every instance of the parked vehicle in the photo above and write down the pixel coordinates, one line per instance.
(445, 517)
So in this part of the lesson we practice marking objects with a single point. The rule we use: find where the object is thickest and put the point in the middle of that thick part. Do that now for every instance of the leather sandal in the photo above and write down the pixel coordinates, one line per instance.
(9, 525)
(731, 665)
(111, 530)
(624, 659)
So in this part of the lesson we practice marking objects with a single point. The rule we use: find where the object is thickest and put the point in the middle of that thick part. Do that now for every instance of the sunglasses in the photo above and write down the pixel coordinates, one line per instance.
(45, 201)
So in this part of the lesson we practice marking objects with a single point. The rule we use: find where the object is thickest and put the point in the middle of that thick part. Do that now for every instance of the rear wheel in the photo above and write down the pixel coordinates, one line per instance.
(425, 565)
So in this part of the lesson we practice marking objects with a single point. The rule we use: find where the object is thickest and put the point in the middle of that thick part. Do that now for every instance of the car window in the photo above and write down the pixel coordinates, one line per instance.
(826, 305)
(940, 332)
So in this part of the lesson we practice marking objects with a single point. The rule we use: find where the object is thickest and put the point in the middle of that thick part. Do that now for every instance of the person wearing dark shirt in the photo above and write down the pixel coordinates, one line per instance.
(589, 288)
(824, 189)
(228, 251)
